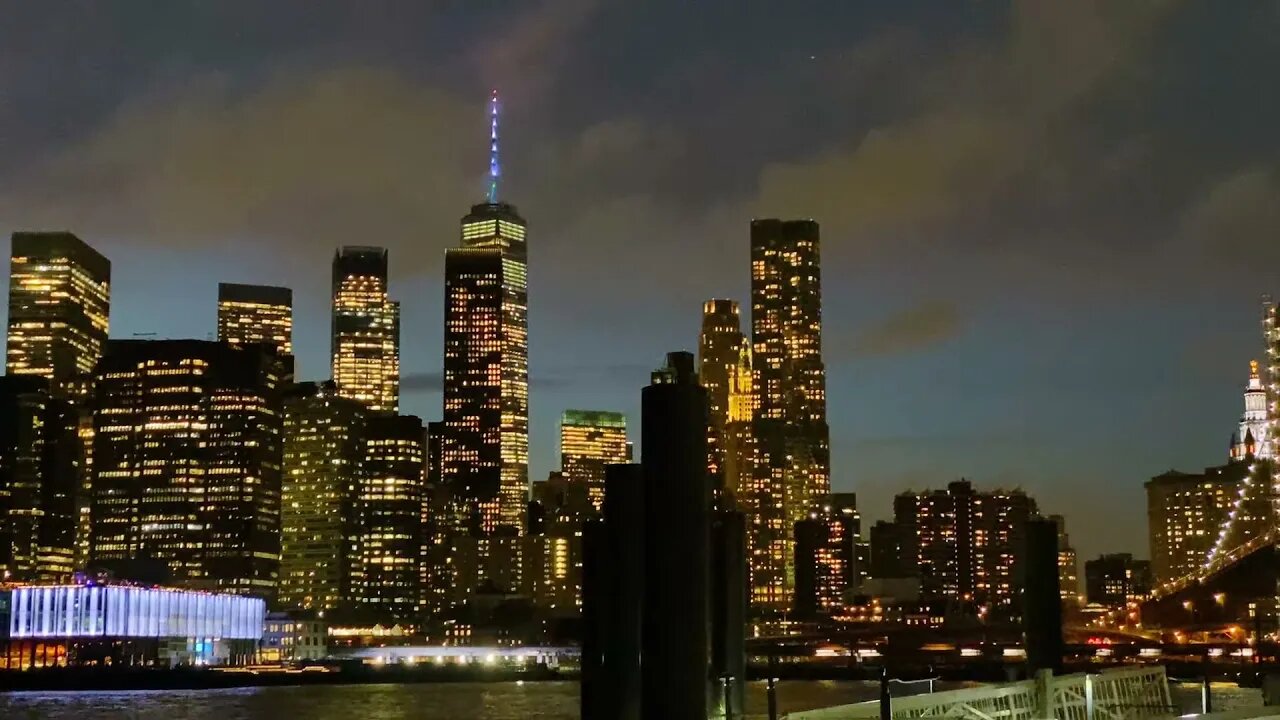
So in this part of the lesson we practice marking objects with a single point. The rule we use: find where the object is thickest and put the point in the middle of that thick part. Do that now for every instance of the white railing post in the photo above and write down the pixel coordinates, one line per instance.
(1088, 697)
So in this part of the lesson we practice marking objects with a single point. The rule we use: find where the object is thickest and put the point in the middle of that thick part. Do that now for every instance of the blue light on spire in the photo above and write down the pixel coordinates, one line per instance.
(493, 148)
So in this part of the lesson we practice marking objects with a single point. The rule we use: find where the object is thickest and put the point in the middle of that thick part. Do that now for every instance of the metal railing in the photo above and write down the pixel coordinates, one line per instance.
(1121, 694)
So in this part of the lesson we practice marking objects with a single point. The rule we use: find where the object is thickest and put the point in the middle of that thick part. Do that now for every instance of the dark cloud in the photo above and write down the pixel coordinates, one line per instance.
(920, 327)
(422, 382)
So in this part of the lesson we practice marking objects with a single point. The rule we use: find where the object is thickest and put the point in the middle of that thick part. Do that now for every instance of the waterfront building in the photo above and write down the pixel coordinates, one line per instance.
(289, 637)
(791, 468)
(365, 336)
(186, 465)
(59, 302)
(124, 625)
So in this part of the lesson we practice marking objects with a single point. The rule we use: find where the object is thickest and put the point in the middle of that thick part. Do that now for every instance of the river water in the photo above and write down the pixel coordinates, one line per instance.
(437, 701)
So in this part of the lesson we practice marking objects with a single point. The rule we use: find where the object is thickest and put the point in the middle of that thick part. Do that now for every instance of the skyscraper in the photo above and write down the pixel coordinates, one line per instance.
(59, 300)
(792, 455)
(589, 441)
(39, 479)
(365, 344)
(249, 314)
(323, 460)
(486, 363)
(186, 464)
(388, 513)
(724, 368)
(471, 438)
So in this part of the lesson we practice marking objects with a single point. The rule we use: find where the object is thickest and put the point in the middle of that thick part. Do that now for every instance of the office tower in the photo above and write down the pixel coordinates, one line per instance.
(826, 545)
(59, 300)
(677, 514)
(365, 344)
(966, 545)
(1116, 580)
(438, 530)
(792, 455)
(589, 441)
(724, 368)
(471, 446)
(388, 514)
(323, 460)
(186, 464)
(486, 362)
(1185, 514)
(249, 314)
(39, 479)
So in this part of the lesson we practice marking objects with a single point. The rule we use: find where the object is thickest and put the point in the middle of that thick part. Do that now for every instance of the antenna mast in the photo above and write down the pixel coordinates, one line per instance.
(493, 148)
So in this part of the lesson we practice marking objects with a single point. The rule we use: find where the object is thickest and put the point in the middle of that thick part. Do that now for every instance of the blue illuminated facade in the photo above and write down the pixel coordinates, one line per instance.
(111, 625)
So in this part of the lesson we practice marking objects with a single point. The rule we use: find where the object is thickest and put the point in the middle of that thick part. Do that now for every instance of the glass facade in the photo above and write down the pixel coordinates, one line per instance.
(186, 463)
(84, 611)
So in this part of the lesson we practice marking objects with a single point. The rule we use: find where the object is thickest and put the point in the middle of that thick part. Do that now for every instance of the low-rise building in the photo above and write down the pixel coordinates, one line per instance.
(122, 625)
(294, 637)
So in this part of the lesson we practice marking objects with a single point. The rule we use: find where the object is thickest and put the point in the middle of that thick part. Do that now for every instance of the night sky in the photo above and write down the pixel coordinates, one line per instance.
(1045, 225)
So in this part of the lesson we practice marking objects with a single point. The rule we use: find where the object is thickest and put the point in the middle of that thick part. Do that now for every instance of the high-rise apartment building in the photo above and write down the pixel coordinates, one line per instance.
(323, 461)
(365, 344)
(590, 440)
(966, 545)
(1116, 580)
(724, 368)
(827, 569)
(186, 464)
(792, 449)
(1068, 565)
(59, 300)
(1186, 513)
(251, 314)
(39, 480)
(388, 515)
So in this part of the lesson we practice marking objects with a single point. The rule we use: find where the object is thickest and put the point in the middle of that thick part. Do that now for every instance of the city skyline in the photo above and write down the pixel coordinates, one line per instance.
(940, 360)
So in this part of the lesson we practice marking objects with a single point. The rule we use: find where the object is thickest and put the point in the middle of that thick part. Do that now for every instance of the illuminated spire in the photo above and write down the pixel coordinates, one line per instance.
(493, 148)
